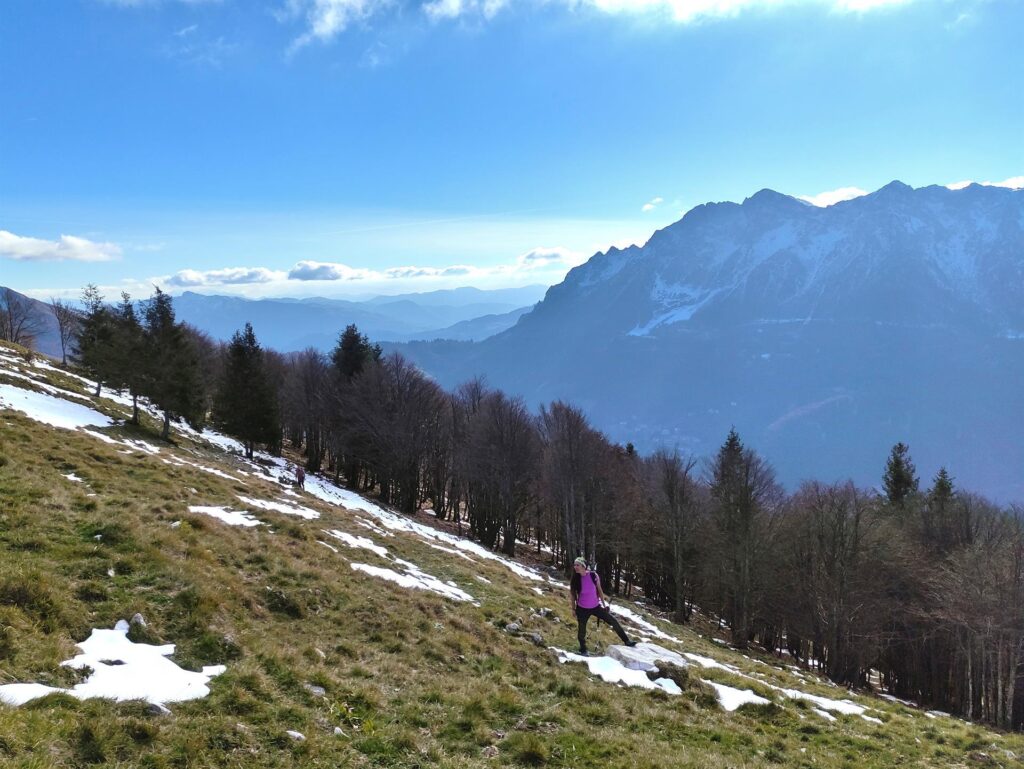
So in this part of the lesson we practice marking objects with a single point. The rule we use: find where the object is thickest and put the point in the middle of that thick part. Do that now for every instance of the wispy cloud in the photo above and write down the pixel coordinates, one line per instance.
(548, 262)
(831, 197)
(186, 30)
(67, 247)
(230, 276)
(326, 19)
(650, 205)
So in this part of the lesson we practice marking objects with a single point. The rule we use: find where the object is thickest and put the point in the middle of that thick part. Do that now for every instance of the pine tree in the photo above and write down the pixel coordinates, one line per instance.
(245, 405)
(171, 364)
(742, 489)
(899, 480)
(128, 348)
(353, 352)
(95, 349)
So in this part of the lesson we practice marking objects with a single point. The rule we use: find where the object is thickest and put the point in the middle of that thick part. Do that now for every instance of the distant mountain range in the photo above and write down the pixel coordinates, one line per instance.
(824, 335)
(462, 314)
(294, 324)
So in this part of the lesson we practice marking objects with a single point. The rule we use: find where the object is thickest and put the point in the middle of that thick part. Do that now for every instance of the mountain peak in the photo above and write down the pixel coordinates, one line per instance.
(768, 197)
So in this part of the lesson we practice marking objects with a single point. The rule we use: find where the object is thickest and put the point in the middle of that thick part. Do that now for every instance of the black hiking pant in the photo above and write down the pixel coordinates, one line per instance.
(582, 615)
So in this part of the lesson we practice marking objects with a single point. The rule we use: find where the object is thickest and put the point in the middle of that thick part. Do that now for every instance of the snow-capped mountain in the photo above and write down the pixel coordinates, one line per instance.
(824, 335)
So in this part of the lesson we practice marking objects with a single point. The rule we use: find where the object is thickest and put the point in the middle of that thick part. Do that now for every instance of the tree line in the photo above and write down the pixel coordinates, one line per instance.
(918, 590)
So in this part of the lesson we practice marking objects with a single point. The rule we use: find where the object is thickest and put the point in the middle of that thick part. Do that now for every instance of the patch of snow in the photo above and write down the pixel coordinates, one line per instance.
(825, 714)
(73, 478)
(730, 698)
(614, 672)
(277, 507)
(707, 662)
(844, 707)
(483, 579)
(230, 517)
(636, 619)
(872, 719)
(332, 548)
(123, 670)
(358, 542)
(50, 410)
(418, 580)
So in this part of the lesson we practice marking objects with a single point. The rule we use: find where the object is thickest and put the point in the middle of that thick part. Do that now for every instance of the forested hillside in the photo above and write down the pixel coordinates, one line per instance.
(916, 591)
(326, 629)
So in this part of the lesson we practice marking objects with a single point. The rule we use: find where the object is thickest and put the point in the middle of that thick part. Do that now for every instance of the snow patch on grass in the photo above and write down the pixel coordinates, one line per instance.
(123, 670)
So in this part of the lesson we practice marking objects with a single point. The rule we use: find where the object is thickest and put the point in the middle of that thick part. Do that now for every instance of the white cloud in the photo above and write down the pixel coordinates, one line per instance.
(310, 270)
(68, 247)
(824, 199)
(650, 205)
(542, 258)
(325, 19)
(1013, 183)
(226, 277)
(328, 18)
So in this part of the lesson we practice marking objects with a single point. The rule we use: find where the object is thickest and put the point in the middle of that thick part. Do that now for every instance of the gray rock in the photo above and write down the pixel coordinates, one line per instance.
(316, 691)
(536, 639)
(138, 619)
(513, 627)
(156, 709)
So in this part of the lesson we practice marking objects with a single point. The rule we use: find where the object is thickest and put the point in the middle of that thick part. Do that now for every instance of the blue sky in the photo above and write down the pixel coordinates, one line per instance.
(347, 147)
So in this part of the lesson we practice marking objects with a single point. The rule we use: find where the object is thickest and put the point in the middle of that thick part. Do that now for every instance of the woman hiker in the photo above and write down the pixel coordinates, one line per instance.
(589, 600)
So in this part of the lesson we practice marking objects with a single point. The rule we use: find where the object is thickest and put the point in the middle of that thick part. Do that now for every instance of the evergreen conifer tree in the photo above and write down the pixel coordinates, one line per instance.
(171, 364)
(245, 405)
(128, 349)
(899, 481)
(353, 352)
(94, 351)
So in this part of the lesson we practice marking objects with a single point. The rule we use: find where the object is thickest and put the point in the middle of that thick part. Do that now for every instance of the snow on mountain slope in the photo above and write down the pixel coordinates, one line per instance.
(334, 513)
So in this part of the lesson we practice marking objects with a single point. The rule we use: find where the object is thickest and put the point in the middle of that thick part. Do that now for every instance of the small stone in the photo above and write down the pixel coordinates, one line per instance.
(545, 612)
(137, 619)
(156, 709)
(536, 639)
(513, 627)
(297, 736)
(498, 734)
(98, 537)
(338, 731)
(316, 691)
(491, 751)
(320, 653)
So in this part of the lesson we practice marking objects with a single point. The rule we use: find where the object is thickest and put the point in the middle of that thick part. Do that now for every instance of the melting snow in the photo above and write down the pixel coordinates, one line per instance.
(358, 542)
(278, 507)
(730, 698)
(123, 670)
(56, 412)
(415, 579)
(636, 619)
(230, 517)
(614, 672)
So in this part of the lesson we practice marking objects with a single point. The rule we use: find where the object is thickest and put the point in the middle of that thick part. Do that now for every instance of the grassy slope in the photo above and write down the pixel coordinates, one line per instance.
(411, 679)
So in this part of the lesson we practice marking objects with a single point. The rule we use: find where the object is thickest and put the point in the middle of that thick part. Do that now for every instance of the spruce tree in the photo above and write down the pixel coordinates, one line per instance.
(171, 364)
(353, 352)
(899, 480)
(245, 405)
(128, 350)
(94, 351)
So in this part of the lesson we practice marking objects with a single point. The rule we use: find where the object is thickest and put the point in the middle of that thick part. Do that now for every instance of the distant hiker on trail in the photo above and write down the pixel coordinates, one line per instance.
(300, 477)
(589, 600)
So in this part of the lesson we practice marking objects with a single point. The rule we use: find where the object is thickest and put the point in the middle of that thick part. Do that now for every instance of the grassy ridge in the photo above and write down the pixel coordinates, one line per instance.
(370, 673)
